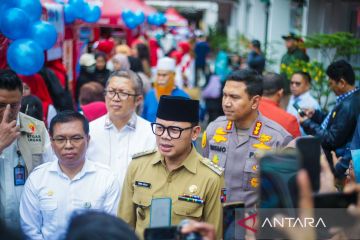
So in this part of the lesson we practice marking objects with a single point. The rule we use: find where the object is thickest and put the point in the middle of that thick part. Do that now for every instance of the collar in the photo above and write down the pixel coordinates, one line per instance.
(302, 96)
(257, 126)
(87, 168)
(269, 101)
(341, 97)
(190, 162)
(131, 123)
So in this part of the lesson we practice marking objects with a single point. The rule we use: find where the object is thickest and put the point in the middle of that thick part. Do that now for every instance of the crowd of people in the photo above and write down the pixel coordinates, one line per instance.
(129, 137)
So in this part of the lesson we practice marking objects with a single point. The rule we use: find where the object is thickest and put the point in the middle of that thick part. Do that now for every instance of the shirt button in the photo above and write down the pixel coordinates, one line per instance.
(169, 180)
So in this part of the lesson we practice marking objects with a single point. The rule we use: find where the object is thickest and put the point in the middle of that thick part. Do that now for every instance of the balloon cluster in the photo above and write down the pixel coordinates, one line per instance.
(79, 9)
(20, 22)
(132, 19)
(157, 19)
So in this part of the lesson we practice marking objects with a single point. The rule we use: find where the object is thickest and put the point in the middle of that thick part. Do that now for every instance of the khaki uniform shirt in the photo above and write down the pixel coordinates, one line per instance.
(236, 154)
(34, 142)
(147, 178)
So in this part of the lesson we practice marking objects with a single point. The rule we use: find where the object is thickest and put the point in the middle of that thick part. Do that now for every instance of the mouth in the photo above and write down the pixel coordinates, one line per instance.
(69, 155)
(165, 147)
(116, 107)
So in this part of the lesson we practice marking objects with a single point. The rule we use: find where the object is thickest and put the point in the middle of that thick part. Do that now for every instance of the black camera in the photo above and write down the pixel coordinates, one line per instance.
(170, 233)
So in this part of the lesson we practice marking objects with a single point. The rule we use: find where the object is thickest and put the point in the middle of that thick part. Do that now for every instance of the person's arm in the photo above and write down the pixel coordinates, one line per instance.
(111, 201)
(30, 214)
(213, 209)
(338, 133)
(127, 208)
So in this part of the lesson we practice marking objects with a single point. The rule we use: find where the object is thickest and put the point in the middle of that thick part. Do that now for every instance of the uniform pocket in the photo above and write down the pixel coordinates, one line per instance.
(251, 180)
(48, 208)
(188, 209)
(143, 203)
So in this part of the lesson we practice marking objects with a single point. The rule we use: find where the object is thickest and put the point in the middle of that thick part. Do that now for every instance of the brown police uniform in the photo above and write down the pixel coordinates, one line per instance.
(33, 143)
(147, 178)
(236, 154)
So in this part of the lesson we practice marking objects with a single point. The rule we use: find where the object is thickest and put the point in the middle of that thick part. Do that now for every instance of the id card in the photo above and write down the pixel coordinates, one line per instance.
(19, 175)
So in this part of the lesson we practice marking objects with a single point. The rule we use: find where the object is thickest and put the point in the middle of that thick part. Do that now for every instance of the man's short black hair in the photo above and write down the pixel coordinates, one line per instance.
(341, 70)
(93, 225)
(272, 83)
(9, 80)
(304, 75)
(256, 43)
(250, 78)
(69, 116)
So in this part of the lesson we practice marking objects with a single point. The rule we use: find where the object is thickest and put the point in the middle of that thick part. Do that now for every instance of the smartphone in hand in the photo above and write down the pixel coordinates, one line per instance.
(299, 110)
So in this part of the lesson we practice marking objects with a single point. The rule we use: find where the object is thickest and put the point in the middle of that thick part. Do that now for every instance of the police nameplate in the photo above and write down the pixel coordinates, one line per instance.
(218, 148)
(142, 184)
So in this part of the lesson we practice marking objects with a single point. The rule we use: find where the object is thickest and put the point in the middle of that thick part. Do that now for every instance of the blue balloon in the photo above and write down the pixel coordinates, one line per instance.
(44, 34)
(130, 23)
(126, 13)
(25, 56)
(14, 23)
(31, 7)
(151, 19)
(79, 7)
(139, 17)
(5, 5)
(69, 14)
(92, 13)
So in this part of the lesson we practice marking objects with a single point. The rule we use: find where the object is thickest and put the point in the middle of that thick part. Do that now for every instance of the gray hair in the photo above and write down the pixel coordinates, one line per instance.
(132, 76)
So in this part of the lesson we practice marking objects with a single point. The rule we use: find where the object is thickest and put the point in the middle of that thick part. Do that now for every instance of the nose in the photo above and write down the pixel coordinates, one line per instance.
(166, 135)
(226, 102)
(68, 144)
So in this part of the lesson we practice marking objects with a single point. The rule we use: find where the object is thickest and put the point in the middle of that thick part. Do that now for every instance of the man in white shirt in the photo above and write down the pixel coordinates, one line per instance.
(121, 133)
(300, 84)
(24, 144)
(55, 190)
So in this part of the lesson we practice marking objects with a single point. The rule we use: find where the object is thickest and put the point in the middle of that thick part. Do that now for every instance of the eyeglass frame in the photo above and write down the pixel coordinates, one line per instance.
(73, 140)
(117, 93)
(168, 131)
(297, 84)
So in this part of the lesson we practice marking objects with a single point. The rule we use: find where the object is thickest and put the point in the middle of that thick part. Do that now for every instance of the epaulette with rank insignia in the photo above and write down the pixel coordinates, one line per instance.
(140, 154)
(215, 168)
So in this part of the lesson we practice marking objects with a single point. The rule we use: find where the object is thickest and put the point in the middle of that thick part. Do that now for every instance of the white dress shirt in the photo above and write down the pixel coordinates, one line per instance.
(50, 197)
(114, 147)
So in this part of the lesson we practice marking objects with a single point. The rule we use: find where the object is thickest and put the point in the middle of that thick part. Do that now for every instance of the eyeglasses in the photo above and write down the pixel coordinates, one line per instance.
(74, 140)
(295, 83)
(12, 105)
(173, 131)
(121, 95)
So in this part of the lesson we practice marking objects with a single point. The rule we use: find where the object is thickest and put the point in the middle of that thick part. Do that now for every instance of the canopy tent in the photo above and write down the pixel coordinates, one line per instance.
(111, 11)
(174, 19)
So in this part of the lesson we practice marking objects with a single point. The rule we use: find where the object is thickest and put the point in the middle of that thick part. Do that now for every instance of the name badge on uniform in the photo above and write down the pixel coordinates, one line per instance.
(142, 184)
(19, 172)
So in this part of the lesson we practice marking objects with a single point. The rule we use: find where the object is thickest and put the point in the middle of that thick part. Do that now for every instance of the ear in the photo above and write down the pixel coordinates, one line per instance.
(255, 100)
(88, 138)
(195, 133)
(342, 83)
(138, 100)
(281, 93)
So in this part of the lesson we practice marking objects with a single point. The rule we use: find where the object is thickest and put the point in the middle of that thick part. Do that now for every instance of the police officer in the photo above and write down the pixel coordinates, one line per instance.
(24, 144)
(233, 141)
(175, 171)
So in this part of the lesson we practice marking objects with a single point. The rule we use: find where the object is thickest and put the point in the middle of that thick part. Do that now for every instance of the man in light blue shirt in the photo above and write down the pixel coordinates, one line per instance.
(300, 84)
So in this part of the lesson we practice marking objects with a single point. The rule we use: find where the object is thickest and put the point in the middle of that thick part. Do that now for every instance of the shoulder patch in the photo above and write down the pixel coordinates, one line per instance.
(140, 154)
(215, 168)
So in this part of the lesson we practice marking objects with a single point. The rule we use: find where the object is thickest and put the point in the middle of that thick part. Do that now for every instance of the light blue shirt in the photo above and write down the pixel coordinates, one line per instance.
(306, 101)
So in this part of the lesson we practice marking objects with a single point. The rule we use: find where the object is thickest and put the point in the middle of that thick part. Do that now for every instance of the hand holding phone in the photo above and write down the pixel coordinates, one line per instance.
(299, 110)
